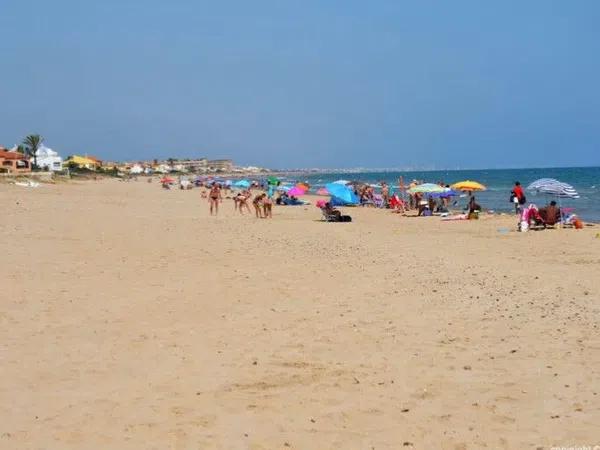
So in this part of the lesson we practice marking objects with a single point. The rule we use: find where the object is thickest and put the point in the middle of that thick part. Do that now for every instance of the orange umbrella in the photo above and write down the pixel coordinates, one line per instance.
(303, 186)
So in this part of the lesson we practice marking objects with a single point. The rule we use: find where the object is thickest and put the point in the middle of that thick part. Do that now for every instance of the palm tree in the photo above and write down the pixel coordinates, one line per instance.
(32, 143)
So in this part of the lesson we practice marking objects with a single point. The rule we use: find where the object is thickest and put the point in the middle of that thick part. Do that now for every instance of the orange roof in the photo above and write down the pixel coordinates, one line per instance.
(11, 155)
(93, 158)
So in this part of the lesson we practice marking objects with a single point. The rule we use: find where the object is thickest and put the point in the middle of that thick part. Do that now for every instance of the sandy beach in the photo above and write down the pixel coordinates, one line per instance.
(131, 319)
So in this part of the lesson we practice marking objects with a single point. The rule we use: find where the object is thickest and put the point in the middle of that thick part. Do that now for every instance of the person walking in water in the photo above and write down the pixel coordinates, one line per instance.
(518, 197)
(214, 197)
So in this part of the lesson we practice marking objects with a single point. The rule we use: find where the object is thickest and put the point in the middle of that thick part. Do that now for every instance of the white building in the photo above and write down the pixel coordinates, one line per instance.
(48, 159)
(136, 169)
(162, 168)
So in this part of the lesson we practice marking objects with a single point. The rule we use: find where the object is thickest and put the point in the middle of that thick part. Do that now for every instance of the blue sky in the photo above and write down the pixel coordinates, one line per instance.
(307, 83)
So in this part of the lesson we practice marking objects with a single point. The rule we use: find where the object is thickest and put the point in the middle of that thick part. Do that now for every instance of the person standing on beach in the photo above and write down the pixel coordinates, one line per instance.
(214, 197)
(385, 194)
(257, 202)
(268, 207)
(518, 197)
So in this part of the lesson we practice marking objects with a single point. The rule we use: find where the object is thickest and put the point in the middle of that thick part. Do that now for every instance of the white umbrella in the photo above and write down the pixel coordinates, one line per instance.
(554, 187)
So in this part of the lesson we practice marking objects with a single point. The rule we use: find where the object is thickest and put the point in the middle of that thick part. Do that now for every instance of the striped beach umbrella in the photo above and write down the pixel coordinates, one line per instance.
(553, 187)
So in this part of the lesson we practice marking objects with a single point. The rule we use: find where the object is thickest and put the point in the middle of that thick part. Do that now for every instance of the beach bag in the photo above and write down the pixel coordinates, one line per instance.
(578, 224)
(522, 200)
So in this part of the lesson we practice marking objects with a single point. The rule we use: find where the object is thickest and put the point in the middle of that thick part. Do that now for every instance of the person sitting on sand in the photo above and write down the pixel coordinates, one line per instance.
(431, 203)
(473, 209)
(550, 214)
(397, 204)
(282, 198)
(329, 210)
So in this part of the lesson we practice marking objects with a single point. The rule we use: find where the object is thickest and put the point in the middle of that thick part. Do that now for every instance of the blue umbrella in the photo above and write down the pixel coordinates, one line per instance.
(242, 184)
(341, 192)
(446, 194)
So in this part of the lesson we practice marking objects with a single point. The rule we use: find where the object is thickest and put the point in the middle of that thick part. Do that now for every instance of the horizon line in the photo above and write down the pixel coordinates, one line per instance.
(412, 169)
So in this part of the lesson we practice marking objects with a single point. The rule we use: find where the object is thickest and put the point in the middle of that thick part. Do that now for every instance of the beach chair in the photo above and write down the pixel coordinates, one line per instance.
(366, 202)
(334, 218)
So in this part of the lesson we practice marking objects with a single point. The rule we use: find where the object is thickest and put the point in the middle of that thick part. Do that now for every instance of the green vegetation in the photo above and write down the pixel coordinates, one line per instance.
(31, 145)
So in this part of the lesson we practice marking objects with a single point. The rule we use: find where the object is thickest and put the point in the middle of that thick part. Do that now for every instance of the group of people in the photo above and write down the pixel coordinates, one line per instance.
(262, 203)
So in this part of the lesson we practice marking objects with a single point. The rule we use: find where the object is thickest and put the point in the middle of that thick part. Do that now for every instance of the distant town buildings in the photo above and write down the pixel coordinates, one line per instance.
(220, 165)
(199, 166)
(14, 161)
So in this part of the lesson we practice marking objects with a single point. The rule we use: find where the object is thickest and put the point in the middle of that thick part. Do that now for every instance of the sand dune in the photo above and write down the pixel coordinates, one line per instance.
(131, 319)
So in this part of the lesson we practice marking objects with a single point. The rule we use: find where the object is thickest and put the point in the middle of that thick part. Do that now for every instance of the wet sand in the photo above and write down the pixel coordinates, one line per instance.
(133, 320)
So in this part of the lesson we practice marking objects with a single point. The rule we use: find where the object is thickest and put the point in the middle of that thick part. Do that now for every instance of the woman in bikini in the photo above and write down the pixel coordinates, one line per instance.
(214, 197)
(242, 200)
(257, 204)
(268, 207)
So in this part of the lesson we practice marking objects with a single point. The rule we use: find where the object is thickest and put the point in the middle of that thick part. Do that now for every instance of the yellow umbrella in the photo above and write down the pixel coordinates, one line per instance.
(468, 185)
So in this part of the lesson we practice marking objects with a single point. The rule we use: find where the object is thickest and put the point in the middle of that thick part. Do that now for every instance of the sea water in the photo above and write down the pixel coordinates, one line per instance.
(499, 183)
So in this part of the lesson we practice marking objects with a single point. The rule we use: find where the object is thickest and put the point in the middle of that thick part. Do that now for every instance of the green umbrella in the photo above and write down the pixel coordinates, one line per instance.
(426, 188)
(272, 180)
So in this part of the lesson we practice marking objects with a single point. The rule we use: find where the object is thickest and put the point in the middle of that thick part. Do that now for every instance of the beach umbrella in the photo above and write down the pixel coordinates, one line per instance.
(342, 193)
(242, 184)
(553, 187)
(426, 188)
(303, 186)
(322, 191)
(468, 185)
(556, 188)
(446, 194)
(296, 191)
(272, 180)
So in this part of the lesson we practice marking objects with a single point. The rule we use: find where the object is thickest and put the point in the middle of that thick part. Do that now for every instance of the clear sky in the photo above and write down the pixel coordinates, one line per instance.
(307, 83)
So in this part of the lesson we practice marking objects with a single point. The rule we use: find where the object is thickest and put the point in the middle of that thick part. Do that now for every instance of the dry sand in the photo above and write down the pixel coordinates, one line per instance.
(133, 320)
